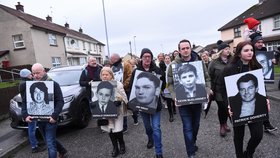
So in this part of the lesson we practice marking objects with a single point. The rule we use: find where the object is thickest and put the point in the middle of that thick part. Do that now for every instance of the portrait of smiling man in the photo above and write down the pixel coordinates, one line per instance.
(248, 101)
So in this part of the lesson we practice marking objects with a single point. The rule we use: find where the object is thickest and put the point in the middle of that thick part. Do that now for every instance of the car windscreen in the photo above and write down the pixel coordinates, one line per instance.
(65, 78)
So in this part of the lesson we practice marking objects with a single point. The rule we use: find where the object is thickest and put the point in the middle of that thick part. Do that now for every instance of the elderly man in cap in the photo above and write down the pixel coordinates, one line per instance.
(151, 121)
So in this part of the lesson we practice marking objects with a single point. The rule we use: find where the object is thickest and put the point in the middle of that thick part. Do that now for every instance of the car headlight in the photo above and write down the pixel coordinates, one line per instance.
(68, 99)
(13, 104)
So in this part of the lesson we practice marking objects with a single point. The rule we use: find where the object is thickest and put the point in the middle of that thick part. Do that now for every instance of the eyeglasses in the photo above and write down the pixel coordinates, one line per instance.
(146, 56)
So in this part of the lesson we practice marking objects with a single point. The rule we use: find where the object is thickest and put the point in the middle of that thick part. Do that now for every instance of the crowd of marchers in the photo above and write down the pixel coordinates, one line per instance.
(143, 87)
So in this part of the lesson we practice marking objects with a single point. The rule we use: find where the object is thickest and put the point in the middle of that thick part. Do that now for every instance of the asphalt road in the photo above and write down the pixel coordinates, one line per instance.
(92, 143)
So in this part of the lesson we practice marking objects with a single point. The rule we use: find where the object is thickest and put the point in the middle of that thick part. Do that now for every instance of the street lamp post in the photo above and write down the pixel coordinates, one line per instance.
(106, 29)
(134, 45)
(130, 49)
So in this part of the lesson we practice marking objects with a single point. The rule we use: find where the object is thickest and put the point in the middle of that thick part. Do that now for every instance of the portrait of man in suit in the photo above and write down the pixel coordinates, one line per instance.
(247, 102)
(266, 62)
(104, 107)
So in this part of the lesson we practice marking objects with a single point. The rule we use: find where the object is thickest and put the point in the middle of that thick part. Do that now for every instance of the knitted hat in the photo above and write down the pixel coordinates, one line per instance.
(221, 45)
(24, 73)
(255, 37)
(146, 50)
(251, 22)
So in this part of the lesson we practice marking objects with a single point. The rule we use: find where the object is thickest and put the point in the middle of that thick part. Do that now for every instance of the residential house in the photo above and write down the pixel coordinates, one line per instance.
(267, 12)
(27, 39)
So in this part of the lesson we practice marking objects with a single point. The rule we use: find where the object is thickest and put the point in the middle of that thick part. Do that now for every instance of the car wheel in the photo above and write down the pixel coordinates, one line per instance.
(83, 115)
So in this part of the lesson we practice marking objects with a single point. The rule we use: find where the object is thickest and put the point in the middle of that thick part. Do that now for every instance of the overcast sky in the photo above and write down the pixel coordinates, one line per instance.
(157, 24)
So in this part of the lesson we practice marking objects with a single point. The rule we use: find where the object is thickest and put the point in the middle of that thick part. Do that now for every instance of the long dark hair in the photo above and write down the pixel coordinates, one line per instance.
(253, 63)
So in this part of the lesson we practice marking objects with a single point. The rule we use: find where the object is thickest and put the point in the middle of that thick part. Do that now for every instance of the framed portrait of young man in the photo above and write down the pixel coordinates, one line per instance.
(145, 92)
(189, 83)
(247, 97)
(39, 99)
(265, 59)
(103, 96)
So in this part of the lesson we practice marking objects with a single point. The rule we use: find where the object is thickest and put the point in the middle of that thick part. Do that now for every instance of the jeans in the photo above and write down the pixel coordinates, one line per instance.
(32, 134)
(256, 131)
(190, 115)
(153, 131)
(48, 131)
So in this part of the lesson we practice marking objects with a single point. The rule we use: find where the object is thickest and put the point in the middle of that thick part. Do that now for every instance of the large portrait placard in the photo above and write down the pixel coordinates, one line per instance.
(265, 59)
(246, 97)
(189, 83)
(40, 99)
(103, 96)
(145, 92)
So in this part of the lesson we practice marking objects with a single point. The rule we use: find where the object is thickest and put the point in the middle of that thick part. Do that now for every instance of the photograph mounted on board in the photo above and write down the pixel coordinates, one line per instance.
(247, 97)
(103, 96)
(189, 83)
(40, 99)
(265, 59)
(145, 92)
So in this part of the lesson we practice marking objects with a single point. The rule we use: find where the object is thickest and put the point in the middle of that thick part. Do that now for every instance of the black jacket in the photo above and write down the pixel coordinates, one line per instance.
(85, 78)
(153, 69)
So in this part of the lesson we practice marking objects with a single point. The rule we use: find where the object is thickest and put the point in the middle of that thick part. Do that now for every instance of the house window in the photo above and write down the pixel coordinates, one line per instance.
(277, 22)
(99, 48)
(271, 46)
(84, 45)
(94, 47)
(52, 39)
(237, 32)
(18, 41)
(83, 61)
(89, 46)
(56, 61)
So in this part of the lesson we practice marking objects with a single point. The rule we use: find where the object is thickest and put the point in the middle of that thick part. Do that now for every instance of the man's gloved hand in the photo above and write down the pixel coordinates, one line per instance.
(117, 103)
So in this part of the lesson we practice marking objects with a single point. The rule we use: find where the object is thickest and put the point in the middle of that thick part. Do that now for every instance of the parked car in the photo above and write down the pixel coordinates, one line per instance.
(76, 109)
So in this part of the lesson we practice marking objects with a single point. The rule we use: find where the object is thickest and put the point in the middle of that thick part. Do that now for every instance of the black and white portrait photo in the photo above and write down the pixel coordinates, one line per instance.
(246, 96)
(265, 59)
(118, 72)
(102, 105)
(39, 99)
(189, 83)
(145, 92)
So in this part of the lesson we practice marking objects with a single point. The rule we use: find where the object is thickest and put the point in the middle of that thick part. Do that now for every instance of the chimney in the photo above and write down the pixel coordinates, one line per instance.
(49, 18)
(66, 25)
(19, 7)
(81, 30)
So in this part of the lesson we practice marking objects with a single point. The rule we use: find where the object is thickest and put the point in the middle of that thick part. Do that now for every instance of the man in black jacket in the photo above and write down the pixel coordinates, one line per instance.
(48, 129)
(89, 74)
(151, 121)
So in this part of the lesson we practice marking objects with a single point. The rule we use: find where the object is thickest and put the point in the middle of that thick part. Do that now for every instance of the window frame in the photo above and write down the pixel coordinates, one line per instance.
(237, 32)
(52, 39)
(276, 21)
(20, 40)
(56, 61)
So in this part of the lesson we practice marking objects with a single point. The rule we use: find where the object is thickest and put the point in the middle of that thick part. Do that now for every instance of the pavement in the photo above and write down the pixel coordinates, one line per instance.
(12, 140)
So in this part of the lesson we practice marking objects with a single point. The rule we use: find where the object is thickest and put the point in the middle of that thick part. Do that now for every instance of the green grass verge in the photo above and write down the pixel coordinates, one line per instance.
(9, 84)
(276, 69)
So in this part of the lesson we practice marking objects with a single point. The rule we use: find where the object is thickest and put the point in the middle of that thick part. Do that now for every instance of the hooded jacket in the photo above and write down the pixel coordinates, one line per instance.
(179, 60)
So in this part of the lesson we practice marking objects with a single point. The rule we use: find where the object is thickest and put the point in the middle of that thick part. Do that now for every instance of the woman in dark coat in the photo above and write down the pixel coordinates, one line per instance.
(244, 60)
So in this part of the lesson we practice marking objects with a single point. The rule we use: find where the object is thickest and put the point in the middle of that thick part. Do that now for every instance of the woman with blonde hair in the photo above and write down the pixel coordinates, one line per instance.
(115, 126)
(215, 69)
